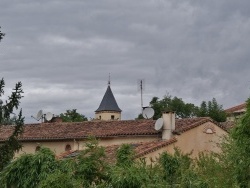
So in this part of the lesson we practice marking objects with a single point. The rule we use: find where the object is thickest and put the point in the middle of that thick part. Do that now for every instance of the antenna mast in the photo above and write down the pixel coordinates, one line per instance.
(141, 84)
(141, 87)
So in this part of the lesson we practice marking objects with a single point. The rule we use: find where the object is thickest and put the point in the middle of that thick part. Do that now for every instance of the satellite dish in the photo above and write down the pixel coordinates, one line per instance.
(148, 112)
(159, 124)
(48, 116)
(39, 114)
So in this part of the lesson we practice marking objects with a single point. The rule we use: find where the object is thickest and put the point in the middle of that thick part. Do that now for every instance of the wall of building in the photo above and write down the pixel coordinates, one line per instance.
(235, 117)
(59, 146)
(199, 139)
(107, 115)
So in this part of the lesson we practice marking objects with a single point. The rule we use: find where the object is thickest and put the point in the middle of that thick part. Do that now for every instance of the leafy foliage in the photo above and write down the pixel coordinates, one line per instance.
(90, 166)
(28, 170)
(60, 180)
(240, 152)
(128, 172)
(42, 169)
(11, 145)
(72, 116)
(212, 109)
(169, 103)
(186, 110)
(125, 155)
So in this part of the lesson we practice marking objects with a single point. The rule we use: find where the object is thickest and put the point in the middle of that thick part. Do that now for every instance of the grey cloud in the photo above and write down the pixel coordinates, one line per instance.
(63, 52)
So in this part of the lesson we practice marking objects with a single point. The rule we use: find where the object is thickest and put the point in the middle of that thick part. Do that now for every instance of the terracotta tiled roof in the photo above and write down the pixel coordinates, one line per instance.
(147, 147)
(68, 154)
(141, 149)
(238, 108)
(81, 130)
(190, 123)
(59, 131)
(228, 125)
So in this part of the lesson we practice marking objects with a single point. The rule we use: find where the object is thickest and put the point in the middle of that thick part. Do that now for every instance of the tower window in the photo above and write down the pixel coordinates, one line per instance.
(100, 117)
(112, 117)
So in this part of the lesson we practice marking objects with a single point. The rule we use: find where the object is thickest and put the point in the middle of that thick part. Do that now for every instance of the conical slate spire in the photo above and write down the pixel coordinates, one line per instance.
(108, 102)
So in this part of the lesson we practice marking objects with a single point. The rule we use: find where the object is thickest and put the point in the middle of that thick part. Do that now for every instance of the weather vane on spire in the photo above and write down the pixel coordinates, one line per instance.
(109, 80)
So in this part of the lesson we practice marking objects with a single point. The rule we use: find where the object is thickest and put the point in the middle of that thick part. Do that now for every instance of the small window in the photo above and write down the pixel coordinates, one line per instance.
(112, 117)
(100, 117)
(38, 148)
(68, 147)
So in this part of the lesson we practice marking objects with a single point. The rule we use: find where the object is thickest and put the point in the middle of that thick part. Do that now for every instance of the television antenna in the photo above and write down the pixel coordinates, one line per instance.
(141, 88)
(158, 124)
(148, 112)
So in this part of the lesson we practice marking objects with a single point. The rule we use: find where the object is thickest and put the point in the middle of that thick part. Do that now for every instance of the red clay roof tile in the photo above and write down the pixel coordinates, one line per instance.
(141, 149)
(240, 107)
(81, 130)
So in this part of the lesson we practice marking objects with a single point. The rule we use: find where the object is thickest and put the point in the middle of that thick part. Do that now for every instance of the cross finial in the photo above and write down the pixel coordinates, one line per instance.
(109, 80)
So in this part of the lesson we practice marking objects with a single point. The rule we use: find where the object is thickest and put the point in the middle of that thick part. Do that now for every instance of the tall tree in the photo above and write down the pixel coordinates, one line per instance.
(212, 109)
(182, 109)
(73, 116)
(10, 145)
(241, 152)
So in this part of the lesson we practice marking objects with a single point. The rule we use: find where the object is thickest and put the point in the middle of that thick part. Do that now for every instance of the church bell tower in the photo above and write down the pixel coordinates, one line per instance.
(108, 109)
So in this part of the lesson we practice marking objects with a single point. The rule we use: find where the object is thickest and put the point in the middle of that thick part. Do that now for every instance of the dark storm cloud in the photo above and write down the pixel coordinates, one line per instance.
(63, 52)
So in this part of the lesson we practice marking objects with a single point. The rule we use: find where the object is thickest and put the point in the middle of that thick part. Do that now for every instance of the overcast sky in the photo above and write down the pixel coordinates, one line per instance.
(63, 51)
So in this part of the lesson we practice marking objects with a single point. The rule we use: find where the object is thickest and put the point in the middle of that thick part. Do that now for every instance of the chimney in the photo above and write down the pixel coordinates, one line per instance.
(168, 124)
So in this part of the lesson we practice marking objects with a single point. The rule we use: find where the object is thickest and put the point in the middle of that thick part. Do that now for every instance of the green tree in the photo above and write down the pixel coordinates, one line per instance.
(60, 180)
(241, 152)
(90, 166)
(72, 116)
(169, 103)
(128, 173)
(125, 155)
(42, 169)
(212, 109)
(10, 145)
(28, 170)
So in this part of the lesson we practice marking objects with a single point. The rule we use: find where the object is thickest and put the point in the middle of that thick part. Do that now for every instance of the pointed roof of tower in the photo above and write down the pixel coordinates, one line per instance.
(108, 102)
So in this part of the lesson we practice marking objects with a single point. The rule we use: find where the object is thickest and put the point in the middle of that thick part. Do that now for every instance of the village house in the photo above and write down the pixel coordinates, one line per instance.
(189, 135)
(236, 112)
